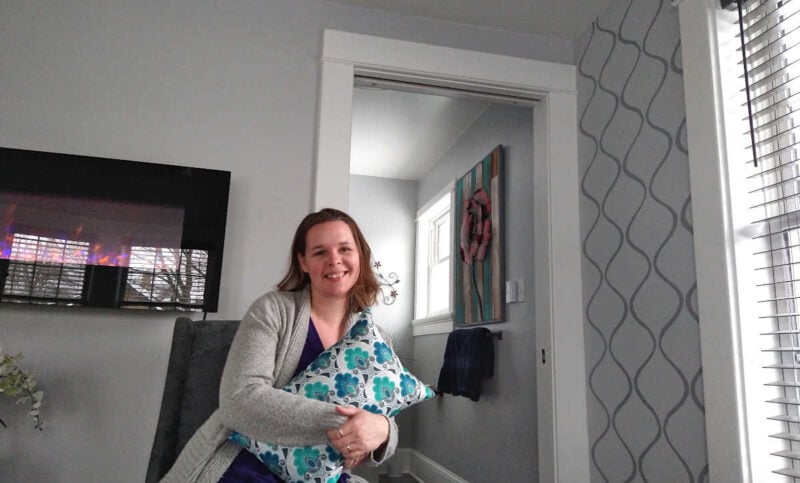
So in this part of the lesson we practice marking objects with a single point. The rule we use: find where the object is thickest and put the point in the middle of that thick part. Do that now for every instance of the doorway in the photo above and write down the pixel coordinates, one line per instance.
(561, 423)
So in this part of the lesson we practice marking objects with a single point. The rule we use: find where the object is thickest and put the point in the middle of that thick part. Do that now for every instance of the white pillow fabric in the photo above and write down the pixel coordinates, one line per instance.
(360, 370)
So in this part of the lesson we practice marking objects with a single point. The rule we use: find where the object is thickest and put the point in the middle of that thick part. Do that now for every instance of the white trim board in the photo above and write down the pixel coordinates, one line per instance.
(562, 421)
(437, 324)
(717, 247)
(425, 470)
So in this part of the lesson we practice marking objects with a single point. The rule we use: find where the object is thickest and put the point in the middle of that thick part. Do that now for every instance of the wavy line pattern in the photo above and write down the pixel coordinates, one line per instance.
(646, 410)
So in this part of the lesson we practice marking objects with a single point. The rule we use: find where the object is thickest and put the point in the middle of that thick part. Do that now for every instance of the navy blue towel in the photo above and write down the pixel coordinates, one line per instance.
(468, 358)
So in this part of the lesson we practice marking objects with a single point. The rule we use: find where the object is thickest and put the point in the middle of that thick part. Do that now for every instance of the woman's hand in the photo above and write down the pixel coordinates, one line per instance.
(363, 433)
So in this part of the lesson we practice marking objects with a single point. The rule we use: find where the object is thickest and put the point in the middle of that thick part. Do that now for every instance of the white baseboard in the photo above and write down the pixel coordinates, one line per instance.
(424, 469)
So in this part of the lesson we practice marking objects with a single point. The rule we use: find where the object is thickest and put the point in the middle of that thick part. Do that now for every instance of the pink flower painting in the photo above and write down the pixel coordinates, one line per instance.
(475, 234)
(478, 232)
(476, 226)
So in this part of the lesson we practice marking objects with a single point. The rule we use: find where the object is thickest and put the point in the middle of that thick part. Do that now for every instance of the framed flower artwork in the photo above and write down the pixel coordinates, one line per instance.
(478, 295)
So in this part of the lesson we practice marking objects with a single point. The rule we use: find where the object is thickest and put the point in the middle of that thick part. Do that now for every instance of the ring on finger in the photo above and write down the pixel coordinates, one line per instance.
(348, 447)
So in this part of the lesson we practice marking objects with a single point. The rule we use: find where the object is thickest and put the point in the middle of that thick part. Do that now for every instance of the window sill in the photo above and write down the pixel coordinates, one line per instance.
(436, 324)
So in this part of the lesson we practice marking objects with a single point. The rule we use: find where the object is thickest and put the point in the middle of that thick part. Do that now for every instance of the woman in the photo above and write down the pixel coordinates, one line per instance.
(328, 283)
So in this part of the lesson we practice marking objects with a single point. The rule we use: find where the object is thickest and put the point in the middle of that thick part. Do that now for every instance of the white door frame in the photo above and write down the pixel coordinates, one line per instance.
(561, 374)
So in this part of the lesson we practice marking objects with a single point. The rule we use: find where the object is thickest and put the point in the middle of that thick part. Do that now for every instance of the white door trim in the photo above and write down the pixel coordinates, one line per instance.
(562, 421)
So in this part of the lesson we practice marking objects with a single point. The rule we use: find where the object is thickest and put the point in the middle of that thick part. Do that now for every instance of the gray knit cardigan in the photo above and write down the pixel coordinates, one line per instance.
(262, 359)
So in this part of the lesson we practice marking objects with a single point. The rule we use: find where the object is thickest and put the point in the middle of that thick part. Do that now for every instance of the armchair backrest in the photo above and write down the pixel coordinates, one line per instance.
(191, 390)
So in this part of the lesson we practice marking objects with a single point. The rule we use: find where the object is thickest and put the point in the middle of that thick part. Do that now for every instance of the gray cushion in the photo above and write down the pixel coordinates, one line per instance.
(203, 374)
(191, 389)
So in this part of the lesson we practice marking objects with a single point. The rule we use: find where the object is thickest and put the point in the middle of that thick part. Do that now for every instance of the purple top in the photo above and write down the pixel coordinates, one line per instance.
(247, 467)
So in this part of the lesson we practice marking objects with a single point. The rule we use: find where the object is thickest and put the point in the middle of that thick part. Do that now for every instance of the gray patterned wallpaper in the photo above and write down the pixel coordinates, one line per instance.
(645, 398)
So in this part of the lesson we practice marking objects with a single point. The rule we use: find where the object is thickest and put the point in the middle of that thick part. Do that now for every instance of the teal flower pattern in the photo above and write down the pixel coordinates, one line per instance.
(306, 459)
(318, 391)
(360, 370)
(383, 388)
(383, 353)
(372, 408)
(272, 460)
(320, 364)
(239, 439)
(356, 358)
(407, 385)
(333, 455)
(346, 385)
(360, 329)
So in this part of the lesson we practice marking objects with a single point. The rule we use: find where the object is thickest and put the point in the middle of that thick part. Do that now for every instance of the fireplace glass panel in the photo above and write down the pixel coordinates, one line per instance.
(110, 233)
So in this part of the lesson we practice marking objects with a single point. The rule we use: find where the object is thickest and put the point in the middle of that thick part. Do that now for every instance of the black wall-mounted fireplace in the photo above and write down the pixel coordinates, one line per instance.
(87, 231)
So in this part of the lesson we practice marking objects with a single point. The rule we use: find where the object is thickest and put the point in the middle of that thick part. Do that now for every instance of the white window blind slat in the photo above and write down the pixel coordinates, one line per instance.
(788, 472)
(783, 417)
(770, 41)
(786, 436)
(788, 454)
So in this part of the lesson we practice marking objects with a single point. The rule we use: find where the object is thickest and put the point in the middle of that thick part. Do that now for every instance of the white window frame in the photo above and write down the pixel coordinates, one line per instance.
(732, 376)
(426, 322)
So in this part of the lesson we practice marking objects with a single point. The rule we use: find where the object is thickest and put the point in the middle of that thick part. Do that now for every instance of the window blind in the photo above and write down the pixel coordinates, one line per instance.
(167, 277)
(45, 269)
(770, 40)
(54, 271)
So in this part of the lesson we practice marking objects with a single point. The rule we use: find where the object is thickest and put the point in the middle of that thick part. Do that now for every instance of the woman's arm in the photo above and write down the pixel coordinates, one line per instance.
(249, 403)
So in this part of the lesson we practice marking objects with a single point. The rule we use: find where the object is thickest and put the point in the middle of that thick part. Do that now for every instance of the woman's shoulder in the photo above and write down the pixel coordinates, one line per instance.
(279, 297)
(277, 302)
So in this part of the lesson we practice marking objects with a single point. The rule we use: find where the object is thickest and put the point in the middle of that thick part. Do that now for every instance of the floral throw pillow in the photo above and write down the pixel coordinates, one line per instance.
(360, 370)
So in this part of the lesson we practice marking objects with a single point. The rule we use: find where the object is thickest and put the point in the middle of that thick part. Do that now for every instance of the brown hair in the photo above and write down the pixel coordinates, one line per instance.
(365, 291)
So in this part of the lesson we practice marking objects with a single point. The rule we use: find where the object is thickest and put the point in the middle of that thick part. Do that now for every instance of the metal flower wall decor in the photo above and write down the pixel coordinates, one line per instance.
(387, 283)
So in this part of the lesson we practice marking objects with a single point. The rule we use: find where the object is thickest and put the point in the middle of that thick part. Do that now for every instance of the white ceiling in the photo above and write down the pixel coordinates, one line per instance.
(403, 134)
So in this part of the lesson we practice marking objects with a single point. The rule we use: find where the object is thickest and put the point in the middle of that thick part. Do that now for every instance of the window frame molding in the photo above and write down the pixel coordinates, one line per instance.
(722, 271)
(439, 323)
(435, 324)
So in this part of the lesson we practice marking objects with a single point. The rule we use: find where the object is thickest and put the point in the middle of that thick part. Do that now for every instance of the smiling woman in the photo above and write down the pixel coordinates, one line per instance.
(342, 235)
(331, 260)
(328, 284)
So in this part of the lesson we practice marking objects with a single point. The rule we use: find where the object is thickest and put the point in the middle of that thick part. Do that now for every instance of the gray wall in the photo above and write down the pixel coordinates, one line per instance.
(385, 210)
(230, 85)
(645, 399)
(493, 439)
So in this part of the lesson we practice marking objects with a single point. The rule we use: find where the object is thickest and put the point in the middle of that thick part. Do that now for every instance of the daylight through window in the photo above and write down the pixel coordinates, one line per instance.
(771, 41)
(434, 247)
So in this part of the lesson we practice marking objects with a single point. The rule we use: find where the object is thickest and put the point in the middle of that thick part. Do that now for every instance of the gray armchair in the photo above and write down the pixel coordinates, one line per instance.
(191, 391)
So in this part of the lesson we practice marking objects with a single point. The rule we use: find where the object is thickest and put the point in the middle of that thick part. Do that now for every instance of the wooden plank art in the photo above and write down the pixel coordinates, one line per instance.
(478, 241)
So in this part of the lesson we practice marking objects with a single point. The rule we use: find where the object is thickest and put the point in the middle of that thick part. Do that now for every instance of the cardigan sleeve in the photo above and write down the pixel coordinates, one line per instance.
(249, 402)
(386, 451)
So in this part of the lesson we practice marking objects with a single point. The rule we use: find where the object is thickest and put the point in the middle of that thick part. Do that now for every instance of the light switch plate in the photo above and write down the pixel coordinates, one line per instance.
(511, 291)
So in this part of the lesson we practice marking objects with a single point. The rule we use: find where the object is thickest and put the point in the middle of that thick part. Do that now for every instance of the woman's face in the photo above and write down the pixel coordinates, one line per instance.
(331, 259)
